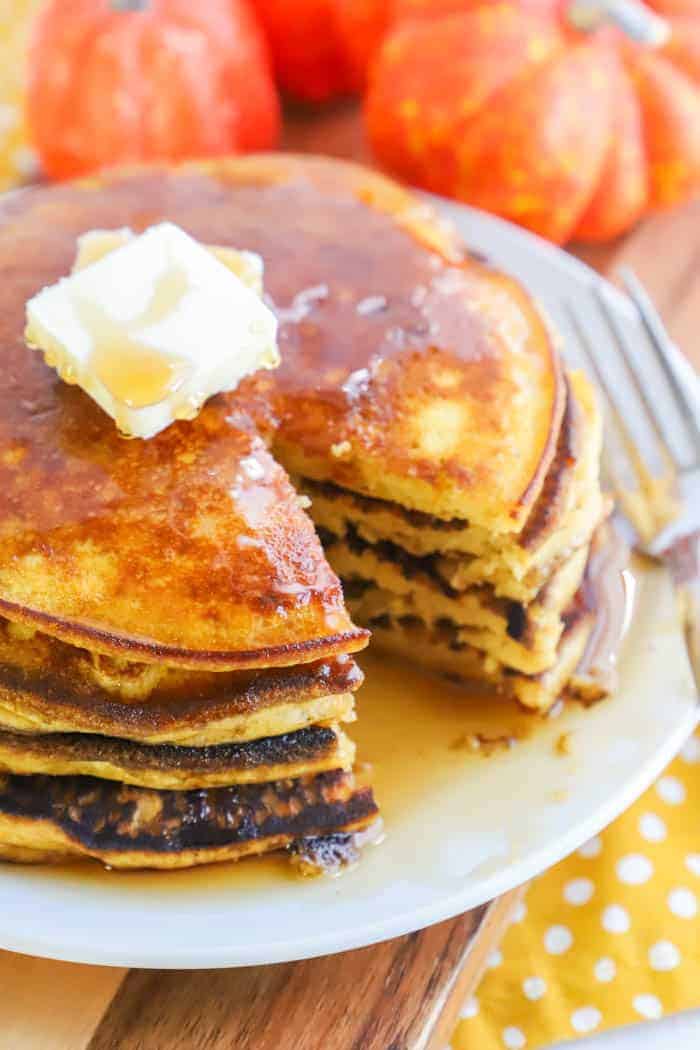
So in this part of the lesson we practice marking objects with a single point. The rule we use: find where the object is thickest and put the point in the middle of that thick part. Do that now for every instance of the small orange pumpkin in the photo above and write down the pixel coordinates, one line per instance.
(321, 47)
(116, 81)
(570, 117)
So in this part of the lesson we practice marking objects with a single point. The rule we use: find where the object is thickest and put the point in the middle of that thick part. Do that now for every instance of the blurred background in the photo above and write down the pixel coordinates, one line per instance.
(573, 118)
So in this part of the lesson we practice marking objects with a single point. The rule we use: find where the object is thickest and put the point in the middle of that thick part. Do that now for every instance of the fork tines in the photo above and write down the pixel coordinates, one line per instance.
(643, 410)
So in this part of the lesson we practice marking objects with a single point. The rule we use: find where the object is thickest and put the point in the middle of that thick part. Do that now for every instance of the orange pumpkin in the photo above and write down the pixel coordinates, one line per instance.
(115, 81)
(321, 48)
(570, 117)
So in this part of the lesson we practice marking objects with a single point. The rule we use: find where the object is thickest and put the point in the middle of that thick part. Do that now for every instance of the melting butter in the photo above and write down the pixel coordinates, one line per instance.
(151, 326)
(134, 373)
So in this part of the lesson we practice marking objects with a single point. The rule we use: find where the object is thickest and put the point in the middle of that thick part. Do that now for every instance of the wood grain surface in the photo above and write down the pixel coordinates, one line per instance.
(392, 995)
(401, 995)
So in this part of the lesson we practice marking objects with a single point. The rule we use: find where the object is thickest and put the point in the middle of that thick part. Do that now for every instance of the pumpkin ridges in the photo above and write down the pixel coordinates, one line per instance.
(480, 157)
(622, 193)
(202, 115)
(670, 107)
(530, 157)
(174, 105)
(174, 100)
(199, 115)
(675, 7)
(362, 25)
(50, 118)
(113, 57)
(478, 52)
(259, 121)
(683, 49)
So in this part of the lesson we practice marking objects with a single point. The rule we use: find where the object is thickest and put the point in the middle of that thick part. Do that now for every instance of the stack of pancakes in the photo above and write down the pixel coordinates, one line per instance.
(175, 662)
(480, 600)
(175, 655)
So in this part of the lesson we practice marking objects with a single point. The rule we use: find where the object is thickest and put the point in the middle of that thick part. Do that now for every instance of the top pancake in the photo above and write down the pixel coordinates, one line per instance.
(445, 395)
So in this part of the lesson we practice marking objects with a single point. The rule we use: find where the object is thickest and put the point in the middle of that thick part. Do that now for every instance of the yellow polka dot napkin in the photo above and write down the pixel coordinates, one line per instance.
(610, 936)
(17, 159)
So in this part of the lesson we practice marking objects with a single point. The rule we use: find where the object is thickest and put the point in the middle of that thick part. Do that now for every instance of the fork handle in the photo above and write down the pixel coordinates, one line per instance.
(683, 558)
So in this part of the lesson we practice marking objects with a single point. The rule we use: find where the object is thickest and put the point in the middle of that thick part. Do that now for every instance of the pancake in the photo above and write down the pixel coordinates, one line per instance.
(440, 648)
(168, 607)
(563, 518)
(47, 686)
(56, 818)
(450, 397)
(313, 750)
(190, 548)
(524, 637)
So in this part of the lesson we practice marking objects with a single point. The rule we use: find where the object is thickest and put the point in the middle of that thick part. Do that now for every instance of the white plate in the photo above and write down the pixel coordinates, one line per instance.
(461, 828)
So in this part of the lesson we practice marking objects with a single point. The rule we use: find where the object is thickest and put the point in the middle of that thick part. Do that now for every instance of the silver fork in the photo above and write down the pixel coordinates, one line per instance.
(656, 483)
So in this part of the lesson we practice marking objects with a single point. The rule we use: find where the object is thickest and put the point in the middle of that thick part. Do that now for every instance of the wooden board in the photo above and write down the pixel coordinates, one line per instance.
(405, 993)
(401, 995)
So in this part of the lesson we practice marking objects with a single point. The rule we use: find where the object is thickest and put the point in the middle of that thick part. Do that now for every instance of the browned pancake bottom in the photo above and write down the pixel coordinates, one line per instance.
(142, 828)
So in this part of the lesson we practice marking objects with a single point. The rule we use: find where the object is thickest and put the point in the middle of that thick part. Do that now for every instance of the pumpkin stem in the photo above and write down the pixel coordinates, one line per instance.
(129, 5)
(631, 16)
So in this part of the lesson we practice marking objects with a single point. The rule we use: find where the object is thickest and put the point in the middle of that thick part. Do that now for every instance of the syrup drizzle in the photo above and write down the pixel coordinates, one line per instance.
(126, 362)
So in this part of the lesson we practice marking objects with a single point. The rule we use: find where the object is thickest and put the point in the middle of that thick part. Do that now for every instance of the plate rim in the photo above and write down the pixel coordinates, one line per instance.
(193, 958)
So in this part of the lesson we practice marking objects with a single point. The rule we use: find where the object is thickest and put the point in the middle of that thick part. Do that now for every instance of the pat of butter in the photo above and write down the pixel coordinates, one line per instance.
(150, 326)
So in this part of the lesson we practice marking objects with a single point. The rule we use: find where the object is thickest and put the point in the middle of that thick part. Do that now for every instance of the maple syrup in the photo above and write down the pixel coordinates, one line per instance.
(136, 374)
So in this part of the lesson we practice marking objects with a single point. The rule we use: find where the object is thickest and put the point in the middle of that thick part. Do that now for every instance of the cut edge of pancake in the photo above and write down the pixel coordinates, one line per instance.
(435, 649)
(138, 725)
(563, 520)
(146, 650)
(316, 749)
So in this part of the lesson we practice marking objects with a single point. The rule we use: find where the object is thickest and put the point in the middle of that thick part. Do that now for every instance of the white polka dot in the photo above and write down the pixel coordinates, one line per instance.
(558, 939)
(513, 1038)
(534, 988)
(591, 848)
(519, 912)
(586, 1019)
(652, 827)
(670, 790)
(634, 869)
(690, 752)
(683, 902)
(470, 1008)
(616, 919)
(648, 1006)
(692, 863)
(495, 959)
(605, 970)
(664, 956)
(578, 891)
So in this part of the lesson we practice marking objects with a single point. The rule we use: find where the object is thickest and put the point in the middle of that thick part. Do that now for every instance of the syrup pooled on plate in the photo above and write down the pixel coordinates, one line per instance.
(413, 730)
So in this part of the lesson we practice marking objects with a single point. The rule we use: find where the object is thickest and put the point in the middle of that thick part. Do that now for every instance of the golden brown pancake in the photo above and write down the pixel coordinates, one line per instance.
(522, 636)
(567, 511)
(441, 649)
(190, 548)
(162, 550)
(316, 749)
(448, 399)
(49, 686)
(52, 818)
(170, 596)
